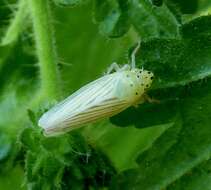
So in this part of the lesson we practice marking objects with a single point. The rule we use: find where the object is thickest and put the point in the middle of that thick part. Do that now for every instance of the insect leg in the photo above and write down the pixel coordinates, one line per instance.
(151, 100)
(145, 98)
(133, 55)
(126, 67)
(114, 66)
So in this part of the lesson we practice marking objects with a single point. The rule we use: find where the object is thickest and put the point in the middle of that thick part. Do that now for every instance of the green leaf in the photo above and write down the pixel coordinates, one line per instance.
(198, 27)
(171, 99)
(69, 2)
(180, 148)
(112, 17)
(29, 138)
(147, 115)
(197, 178)
(186, 60)
(153, 22)
(5, 50)
(157, 2)
(186, 7)
(60, 156)
(116, 17)
(32, 117)
(104, 136)
(173, 7)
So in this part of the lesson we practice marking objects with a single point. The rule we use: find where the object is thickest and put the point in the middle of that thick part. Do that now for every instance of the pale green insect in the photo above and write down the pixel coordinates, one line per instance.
(102, 98)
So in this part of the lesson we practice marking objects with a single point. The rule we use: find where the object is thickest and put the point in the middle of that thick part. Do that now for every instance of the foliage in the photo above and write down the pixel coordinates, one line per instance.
(64, 44)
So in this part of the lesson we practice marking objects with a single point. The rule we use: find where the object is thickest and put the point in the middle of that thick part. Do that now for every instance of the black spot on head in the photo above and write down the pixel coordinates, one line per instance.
(140, 72)
(147, 86)
(138, 76)
(152, 78)
(136, 93)
(149, 72)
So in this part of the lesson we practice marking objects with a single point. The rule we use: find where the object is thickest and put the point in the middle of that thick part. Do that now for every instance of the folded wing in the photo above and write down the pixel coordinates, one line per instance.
(94, 101)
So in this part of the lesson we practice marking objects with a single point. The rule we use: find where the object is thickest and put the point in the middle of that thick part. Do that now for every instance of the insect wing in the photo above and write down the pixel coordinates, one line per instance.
(92, 102)
(107, 108)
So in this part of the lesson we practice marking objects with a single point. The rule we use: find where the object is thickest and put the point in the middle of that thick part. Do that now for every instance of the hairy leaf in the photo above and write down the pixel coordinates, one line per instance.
(174, 63)
(178, 62)
(175, 154)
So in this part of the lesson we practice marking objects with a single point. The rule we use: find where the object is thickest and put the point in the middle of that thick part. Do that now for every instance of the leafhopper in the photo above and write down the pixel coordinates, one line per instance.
(112, 93)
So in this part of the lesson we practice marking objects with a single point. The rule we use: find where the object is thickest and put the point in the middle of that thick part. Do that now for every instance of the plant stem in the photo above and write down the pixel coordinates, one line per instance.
(43, 31)
(16, 25)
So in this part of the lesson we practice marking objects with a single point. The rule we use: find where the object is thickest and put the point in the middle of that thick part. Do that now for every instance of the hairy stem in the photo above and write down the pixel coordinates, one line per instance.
(43, 31)
(16, 25)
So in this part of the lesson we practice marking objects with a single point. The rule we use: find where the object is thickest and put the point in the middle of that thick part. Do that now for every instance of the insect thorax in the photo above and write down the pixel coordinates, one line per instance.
(132, 84)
